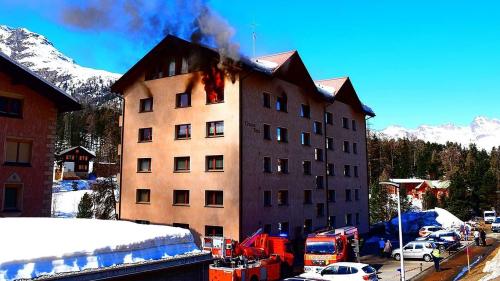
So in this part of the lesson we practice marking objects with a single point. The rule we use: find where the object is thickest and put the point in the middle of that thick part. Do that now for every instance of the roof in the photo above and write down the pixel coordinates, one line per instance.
(407, 180)
(334, 83)
(62, 100)
(278, 58)
(73, 148)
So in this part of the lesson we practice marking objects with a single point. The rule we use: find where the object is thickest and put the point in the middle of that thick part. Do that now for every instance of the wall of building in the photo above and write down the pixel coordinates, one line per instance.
(38, 125)
(255, 148)
(163, 148)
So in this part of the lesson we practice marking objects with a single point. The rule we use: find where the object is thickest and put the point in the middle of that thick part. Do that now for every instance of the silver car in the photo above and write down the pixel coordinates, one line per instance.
(415, 250)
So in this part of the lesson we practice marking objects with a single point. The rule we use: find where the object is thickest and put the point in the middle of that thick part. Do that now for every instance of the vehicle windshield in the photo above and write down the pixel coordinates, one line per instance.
(497, 220)
(320, 247)
(368, 269)
(489, 214)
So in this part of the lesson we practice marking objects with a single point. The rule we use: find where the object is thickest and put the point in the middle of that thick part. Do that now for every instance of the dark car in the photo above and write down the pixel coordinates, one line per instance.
(444, 240)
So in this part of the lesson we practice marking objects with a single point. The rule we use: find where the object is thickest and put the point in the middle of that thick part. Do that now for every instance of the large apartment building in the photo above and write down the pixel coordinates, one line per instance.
(225, 148)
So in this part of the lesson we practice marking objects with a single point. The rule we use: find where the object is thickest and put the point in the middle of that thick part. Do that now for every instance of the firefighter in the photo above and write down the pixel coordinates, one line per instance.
(436, 257)
(381, 246)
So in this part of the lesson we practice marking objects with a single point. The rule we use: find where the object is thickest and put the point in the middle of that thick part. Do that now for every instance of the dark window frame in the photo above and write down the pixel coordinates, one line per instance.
(178, 100)
(267, 131)
(179, 192)
(139, 165)
(176, 164)
(188, 131)
(282, 103)
(330, 169)
(329, 118)
(283, 197)
(281, 134)
(139, 197)
(266, 100)
(18, 162)
(212, 198)
(9, 105)
(144, 137)
(305, 111)
(307, 197)
(306, 167)
(346, 147)
(329, 143)
(320, 182)
(18, 190)
(318, 128)
(282, 166)
(348, 195)
(211, 163)
(318, 154)
(331, 196)
(215, 134)
(268, 164)
(214, 230)
(142, 105)
(305, 138)
(347, 170)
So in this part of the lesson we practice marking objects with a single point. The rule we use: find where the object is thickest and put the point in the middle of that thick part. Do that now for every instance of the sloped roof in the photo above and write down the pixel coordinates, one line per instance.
(334, 83)
(278, 58)
(22, 74)
(73, 148)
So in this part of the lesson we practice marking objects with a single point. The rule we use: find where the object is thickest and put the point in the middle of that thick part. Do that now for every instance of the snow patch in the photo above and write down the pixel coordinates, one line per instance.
(492, 267)
(39, 246)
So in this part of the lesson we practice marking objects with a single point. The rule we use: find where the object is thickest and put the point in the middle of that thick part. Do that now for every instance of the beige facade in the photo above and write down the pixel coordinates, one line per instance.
(252, 195)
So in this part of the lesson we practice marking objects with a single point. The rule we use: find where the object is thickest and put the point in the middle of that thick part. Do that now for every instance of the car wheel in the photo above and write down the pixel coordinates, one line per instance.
(427, 258)
(397, 257)
(442, 247)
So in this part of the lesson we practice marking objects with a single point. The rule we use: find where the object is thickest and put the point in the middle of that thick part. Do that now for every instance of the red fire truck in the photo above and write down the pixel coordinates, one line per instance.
(329, 246)
(259, 257)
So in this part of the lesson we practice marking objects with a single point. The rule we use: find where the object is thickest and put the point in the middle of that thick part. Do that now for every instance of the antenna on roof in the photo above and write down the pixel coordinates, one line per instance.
(254, 36)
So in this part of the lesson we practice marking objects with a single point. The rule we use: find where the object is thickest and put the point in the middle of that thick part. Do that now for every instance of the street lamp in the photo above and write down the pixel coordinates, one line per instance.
(402, 270)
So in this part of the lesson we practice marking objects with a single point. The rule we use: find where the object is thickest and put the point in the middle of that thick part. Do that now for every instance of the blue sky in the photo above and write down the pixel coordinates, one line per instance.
(414, 62)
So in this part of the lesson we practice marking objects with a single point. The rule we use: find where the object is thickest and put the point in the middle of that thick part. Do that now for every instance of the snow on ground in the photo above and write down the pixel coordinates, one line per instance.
(447, 219)
(39, 246)
(493, 267)
(65, 203)
(412, 221)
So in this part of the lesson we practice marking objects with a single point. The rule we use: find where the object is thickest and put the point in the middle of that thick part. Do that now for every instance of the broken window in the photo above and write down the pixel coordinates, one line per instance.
(214, 85)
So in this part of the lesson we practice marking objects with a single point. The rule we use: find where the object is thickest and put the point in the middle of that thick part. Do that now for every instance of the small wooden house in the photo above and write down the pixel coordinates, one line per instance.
(75, 162)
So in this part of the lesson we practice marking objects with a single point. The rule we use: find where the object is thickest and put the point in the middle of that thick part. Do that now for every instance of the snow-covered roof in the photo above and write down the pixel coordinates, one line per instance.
(44, 246)
(75, 147)
(407, 180)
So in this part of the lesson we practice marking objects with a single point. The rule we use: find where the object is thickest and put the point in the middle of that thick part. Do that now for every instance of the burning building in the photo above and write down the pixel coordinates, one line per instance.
(226, 146)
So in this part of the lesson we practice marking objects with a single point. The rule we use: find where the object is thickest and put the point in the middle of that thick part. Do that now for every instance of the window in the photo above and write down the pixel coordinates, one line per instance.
(181, 225)
(331, 195)
(215, 163)
(267, 165)
(308, 226)
(214, 85)
(317, 128)
(354, 148)
(12, 198)
(281, 134)
(355, 171)
(215, 129)
(318, 154)
(356, 194)
(329, 143)
(146, 105)
(211, 230)
(267, 198)
(333, 221)
(306, 167)
(307, 196)
(70, 157)
(330, 169)
(171, 66)
(283, 166)
(82, 168)
(320, 209)
(345, 146)
(266, 100)
(183, 132)
(145, 134)
(328, 118)
(267, 228)
(83, 158)
(181, 197)
(183, 100)
(305, 139)
(348, 195)
(357, 218)
(143, 196)
(181, 164)
(305, 111)
(144, 165)
(11, 107)
(281, 103)
(345, 123)
(284, 228)
(354, 128)
(282, 197)
(141, 221)
(348, 219)
(214, 198)
(267, 132)
(320, 183)
(347, 170)
(18, 152)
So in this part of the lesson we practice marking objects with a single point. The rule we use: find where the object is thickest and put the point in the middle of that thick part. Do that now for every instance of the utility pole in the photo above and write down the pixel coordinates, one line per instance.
(254, 37)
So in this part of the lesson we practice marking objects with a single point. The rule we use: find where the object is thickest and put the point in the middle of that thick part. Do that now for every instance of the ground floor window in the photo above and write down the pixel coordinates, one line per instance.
(211, 230)
(12, 198)
(181, 225)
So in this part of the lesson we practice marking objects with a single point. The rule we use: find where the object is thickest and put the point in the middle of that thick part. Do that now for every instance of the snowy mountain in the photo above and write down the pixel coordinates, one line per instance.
(39, 54)
(483, 131)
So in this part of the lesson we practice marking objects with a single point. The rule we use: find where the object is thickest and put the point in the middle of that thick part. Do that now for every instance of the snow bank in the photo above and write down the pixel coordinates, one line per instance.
(493, 267)
(67, 185)
(413, 221)
(65, 204)
(39, 246)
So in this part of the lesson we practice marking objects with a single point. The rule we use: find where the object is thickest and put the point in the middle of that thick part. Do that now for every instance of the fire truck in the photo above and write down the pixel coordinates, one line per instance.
(258, 257)
(329, 246)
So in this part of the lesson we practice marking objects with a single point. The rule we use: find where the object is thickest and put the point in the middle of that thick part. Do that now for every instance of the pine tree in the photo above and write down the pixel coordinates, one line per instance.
(380, 204)
(85, 207)
(104, 200)
(458, 201)
(430, 201)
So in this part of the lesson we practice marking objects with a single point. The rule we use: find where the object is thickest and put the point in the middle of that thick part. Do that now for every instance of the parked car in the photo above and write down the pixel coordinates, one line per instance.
(495, 226)
(344, 271)
(489, 216)
(426, 230)
(415, 250)
(444, 239)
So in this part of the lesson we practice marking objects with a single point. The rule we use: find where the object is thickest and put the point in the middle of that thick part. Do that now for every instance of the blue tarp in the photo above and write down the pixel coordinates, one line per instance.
(68, 185)
(412, 222)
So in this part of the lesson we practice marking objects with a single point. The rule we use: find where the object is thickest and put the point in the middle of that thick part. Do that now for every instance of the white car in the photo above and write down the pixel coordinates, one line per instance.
(489, 216)
(415, 250)
(495, 225)
(344, 271)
